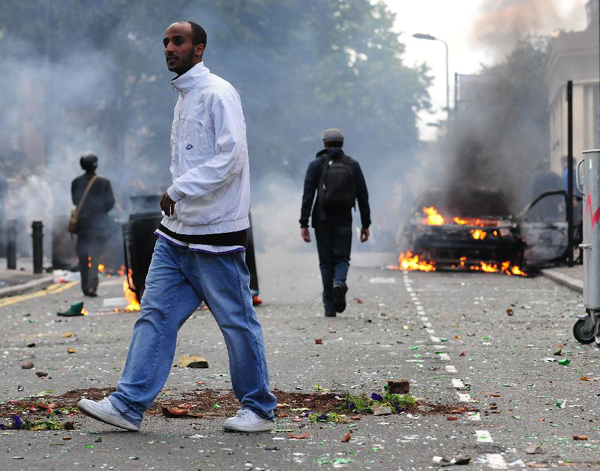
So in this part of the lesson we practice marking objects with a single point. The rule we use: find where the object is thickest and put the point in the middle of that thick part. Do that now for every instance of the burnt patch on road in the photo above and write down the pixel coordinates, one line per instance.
(59, 412)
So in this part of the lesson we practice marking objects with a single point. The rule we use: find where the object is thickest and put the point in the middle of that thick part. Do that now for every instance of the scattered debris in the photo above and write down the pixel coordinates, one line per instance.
(347, 438)
(71, 350)
(533, 450)
(27, 365)
(76, 309)
(565, 362)
(191, 361)
(400, 386)
(179, 411)
(298, 436)
(358, 300)
(580, 437)
(318, 341)
(460, 460)
(382, 410)
(66, 335)
(41, 374)
(510, 312)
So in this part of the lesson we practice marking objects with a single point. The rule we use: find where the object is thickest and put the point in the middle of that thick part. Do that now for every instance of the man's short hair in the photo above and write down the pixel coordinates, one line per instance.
(199, 35)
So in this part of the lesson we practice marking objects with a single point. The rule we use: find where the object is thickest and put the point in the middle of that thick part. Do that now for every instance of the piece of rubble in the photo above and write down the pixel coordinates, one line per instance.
(461, 460)
(192, 361)
(318, 341)
(66, 335)
(71, 350)
(382, 410)
(27, 365)
(533, 450)
(41, 373)
(346, 438)
(399, 386)
(580, 437)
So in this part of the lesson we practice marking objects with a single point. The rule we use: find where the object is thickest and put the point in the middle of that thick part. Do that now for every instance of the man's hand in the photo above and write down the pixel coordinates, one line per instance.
(305, 234)
(364, 234)
(167, 205)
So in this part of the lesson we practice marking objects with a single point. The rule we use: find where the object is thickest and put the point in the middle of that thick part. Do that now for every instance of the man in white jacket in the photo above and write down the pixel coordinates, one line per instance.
(199, 253)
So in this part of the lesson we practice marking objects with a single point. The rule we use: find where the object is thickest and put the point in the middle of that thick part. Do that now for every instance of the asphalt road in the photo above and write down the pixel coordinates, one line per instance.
(448, 333)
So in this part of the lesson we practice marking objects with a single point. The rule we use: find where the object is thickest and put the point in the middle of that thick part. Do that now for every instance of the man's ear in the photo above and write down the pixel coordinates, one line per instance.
(199, 50)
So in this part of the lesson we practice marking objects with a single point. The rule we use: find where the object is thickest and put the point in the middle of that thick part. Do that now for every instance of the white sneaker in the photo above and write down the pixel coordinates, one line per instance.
(247, 421)
(105, 412)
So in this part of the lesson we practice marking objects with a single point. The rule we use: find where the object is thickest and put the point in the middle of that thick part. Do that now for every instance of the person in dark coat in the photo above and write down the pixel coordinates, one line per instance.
(93, 221)
(333, 228)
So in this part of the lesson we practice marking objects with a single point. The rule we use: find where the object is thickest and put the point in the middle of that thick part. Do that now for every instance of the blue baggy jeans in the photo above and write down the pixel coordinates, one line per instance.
(178, 280)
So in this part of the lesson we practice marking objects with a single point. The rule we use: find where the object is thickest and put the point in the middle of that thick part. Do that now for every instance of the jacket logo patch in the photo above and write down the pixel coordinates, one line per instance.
(188, 147)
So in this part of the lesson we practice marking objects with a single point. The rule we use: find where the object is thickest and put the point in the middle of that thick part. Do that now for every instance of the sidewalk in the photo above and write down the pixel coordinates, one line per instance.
(569, 277)
(21, 280)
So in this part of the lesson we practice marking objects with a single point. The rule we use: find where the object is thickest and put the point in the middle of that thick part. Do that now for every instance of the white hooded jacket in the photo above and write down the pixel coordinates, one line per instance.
(209, 157)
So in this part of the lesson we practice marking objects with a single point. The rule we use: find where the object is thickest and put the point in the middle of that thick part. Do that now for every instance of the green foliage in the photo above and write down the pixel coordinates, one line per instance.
(300, 67)
(332, 417)
(364, 405)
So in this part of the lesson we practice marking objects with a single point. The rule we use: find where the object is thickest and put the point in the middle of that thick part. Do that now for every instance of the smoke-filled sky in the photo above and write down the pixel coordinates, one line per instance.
(477, 32)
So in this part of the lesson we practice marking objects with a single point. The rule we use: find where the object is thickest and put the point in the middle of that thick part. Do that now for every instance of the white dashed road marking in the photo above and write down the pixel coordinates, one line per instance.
(457, 383)
(494, 461)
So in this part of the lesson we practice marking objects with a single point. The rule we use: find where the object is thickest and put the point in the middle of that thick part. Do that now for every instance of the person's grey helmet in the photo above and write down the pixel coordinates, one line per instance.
(88, 161)
(333, 135)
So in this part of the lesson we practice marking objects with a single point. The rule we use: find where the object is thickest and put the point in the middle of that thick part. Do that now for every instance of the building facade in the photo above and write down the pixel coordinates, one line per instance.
(575, 56)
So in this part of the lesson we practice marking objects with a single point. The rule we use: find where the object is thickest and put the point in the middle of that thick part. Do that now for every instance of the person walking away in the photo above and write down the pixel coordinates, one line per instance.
(93, 220)
(199, 252)
(338, 183)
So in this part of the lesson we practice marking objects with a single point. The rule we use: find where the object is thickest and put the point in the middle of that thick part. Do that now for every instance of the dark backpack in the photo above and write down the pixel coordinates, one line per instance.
(337, 185)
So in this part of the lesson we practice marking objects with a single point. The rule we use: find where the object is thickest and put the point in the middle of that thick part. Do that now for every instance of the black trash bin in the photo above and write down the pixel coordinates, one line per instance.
(139, 240)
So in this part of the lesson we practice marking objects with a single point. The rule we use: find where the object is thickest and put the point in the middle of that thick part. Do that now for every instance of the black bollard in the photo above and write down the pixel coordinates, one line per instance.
(11, 244)
(38, 246)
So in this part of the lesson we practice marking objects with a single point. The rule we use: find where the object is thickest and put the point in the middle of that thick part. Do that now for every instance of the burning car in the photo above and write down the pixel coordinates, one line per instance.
(475, 230)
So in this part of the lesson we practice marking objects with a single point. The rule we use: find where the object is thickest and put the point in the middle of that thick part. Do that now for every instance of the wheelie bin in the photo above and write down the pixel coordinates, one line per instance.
(587, 328)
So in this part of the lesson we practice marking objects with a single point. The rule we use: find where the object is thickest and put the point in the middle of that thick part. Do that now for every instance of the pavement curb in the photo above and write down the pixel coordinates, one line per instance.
(40, 283)
(565, 280)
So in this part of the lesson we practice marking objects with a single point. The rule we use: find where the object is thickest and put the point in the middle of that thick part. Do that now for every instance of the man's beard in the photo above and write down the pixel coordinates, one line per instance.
(188, 63)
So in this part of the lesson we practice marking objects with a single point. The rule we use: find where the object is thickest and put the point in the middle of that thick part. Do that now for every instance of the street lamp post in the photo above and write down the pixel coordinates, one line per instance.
(429, 37)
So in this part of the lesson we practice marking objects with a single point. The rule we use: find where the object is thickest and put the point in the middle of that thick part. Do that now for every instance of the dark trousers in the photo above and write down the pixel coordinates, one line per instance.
(89, 249)
(251, 263)
(334, 243)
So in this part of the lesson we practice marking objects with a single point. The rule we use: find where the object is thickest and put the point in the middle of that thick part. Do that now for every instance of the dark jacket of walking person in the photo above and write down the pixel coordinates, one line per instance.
(333, 227)
(93, 221)
(199, 252)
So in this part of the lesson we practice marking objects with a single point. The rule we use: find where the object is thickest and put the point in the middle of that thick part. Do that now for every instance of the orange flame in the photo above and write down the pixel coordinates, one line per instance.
(410, 262)
(84, 311)
(460, 221)
(504, 267)
(478, 234)
(101, 268)
(133, 305)
(433, 217)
